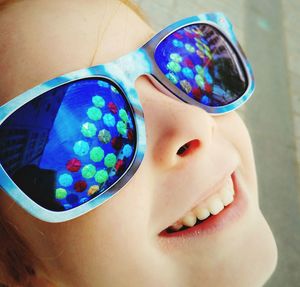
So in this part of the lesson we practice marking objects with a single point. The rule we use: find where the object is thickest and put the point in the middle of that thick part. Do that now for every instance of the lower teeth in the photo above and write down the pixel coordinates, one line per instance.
(170, 230)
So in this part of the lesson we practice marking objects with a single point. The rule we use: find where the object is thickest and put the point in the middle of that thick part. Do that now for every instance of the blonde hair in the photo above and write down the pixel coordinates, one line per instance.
(17, 260)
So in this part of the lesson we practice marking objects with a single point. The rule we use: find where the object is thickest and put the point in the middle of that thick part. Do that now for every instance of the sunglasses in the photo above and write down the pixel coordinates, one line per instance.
(71, 143)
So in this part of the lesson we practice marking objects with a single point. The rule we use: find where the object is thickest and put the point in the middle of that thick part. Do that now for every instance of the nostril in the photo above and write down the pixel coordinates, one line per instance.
(182, 149)
(188, 147)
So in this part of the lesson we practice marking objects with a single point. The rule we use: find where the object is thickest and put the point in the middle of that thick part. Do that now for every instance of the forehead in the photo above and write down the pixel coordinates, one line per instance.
(41, 40)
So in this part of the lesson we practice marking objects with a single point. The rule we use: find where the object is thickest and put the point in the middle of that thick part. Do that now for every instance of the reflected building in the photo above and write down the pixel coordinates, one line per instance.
(24, 134)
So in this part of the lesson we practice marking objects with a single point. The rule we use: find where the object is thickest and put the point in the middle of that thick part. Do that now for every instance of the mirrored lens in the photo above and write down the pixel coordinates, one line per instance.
(70, 144)
(200, 61)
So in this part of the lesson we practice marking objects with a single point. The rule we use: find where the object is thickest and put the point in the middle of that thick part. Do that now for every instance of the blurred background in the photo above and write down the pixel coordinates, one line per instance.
(268, 32)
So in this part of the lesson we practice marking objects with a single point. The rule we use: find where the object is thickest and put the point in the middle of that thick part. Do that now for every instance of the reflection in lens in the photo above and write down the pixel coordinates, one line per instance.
(201, 63)
(70, 144)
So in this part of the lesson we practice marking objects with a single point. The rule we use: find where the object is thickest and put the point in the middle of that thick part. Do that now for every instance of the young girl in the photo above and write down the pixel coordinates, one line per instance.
(186, 214)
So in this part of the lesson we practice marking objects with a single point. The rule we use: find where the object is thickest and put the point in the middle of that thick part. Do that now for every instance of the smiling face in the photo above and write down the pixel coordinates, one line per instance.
(128, 240)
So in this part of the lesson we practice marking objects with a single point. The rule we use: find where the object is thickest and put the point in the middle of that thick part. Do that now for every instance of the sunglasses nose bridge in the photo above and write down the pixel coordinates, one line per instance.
(129, 67)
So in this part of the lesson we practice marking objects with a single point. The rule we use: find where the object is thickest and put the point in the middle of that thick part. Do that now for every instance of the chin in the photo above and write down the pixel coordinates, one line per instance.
(248, 260)
(269, 252)
(260, 254)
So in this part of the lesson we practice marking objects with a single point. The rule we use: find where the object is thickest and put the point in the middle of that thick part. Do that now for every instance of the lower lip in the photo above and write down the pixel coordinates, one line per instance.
(229, 215)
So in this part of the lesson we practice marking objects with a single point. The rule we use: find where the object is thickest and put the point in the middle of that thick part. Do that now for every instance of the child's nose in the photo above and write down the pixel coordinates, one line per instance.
(174, 128)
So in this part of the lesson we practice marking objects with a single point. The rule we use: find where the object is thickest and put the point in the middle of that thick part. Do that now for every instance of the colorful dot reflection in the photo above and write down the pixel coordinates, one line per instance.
(98, 146)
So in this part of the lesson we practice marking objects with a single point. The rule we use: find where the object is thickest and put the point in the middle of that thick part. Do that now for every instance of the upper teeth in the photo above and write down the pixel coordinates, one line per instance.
(213, 205)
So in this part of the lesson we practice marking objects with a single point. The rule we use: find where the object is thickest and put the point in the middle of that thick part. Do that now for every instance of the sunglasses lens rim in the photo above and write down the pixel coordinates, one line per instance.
(124, 131)
(172, 83)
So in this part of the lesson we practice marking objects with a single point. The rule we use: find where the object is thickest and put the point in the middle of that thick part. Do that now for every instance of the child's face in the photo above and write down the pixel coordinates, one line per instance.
(118, 243)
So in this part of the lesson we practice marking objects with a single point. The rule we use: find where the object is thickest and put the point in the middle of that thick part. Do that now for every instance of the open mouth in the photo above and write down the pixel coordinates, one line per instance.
(206, 213)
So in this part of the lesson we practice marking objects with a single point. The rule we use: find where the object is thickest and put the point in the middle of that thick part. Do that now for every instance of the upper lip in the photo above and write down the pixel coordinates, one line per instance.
(213, 190)
(172, 209)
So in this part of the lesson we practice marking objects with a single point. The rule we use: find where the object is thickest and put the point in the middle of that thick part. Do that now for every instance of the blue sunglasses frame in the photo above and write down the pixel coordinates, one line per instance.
(123, 72)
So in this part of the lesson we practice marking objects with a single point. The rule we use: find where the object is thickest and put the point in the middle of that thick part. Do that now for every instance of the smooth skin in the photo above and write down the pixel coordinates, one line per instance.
(118, 243)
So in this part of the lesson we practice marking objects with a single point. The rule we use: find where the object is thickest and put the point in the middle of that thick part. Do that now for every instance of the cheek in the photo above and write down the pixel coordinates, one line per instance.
(233, 128)
(115, 233)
